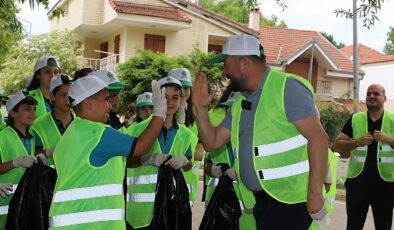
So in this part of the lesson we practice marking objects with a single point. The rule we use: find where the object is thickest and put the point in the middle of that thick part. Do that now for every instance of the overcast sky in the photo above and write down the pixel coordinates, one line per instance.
(315, 15)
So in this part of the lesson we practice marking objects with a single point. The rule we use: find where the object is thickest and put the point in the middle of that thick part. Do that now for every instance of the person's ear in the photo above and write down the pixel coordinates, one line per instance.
(12, 113)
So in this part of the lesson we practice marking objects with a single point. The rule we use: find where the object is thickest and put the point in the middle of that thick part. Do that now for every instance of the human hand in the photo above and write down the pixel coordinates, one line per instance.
(366, 139)
(5, 189)
(321, 218)
(24, 161)
(200, 96)
(159, 100)
(43, 158)
(381, 137)
(49, 153)
(216, 171)
(177, 162)
(153, 159)
(315, 203)
(181, 115)
(231, 173)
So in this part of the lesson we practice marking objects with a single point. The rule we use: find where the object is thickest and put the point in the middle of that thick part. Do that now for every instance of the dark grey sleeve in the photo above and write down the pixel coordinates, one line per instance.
(226, 123)
(298, 101)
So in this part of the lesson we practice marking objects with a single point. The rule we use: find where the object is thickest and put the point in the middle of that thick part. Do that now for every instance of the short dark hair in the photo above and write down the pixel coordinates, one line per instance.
(82, 73)
(65, 80)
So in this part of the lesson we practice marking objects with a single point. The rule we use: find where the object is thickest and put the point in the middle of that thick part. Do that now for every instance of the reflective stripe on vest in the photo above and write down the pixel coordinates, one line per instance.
(86, 217)
(386, 148)
(142, 179)
(285, 171)
(330, 199)
(281, 146)
(386, 159)
(141, 197)
(88, 192)
(358, 159)
(363, 148)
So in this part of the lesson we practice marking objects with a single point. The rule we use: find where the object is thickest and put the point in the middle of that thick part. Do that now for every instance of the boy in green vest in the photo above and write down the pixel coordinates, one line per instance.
(89, 159)
(174, 140)
(17, 145)
(50, 127)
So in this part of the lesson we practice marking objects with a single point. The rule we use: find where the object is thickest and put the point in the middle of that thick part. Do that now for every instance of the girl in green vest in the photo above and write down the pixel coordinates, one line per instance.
(186, 116)
(50, 127)
(175, 140)
(44, 70)
(17, 147)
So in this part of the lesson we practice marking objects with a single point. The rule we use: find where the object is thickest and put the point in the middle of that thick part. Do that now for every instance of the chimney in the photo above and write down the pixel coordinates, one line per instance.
(254, 19)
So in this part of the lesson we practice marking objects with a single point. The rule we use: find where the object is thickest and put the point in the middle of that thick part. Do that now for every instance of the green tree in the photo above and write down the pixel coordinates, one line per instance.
(389, 46)
(145, 66)
(20, 60)
(272, 21)
(331, 39)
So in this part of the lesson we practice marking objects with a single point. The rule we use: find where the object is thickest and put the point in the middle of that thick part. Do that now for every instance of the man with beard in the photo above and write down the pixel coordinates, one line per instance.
(280, 147)
(368, 139)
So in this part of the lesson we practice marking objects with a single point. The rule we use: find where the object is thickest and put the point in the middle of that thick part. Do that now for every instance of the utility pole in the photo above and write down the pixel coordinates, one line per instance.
(355, 60)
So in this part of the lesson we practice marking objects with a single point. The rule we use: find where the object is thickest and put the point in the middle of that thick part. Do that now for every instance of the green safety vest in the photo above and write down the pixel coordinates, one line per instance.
(246, 221)
(86, 196)
(280, 154)
(385, 153)
(40, 109)
(192, 176)
(46, 128)
(11, 148)
(141, 181)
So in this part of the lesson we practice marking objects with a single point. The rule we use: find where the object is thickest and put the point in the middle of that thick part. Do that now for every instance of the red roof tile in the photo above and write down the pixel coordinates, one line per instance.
(150, 10)
(280, 44)
(367, 55)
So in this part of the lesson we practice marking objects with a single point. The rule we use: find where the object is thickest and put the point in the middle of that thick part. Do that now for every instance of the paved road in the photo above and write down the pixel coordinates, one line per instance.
(338, 221)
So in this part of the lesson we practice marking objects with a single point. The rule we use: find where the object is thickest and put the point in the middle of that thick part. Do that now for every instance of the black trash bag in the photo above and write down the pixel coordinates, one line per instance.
(223, 211)
(172, 208)
(29, 207)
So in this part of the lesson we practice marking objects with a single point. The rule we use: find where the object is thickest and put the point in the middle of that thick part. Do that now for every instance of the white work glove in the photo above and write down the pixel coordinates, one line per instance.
(181, 115)
(49, 152)
(216, 171)
(159, 100)
(5, 189)
(43, 158)
(231, 173)
(24, 161)
(153, 159)
(321, 218)
(177, 162)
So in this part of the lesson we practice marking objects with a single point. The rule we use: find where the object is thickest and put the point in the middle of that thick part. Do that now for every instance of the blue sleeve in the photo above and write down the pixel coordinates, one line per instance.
(188, 153)
(226, 123)
(298, 101)
(112, 143)
(38, 140)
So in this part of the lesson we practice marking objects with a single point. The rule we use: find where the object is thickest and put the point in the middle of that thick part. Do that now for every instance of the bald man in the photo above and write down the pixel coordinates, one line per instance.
(368, 139)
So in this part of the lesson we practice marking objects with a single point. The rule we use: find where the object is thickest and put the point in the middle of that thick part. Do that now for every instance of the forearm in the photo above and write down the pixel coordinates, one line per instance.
(148, 137)
(318, 166)
(206, 131)
(208, 167)
(5, 167)
(199, 154)
(345, 146)
(134, 162)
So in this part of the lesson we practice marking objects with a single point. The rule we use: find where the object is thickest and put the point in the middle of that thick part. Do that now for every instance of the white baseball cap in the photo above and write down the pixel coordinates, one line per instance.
(231, 98)
(58, 81)
(110, 78)
(46, 61)
(239, 45)
(85, 87)
(169, 81)
(14, 99)
(183, 75)
(144, 99)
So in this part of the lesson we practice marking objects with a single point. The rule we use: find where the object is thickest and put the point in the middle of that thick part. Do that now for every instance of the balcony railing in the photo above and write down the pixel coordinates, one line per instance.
(107, 63)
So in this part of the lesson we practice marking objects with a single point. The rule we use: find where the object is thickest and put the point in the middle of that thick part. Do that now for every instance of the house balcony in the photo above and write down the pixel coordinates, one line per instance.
(108, 63)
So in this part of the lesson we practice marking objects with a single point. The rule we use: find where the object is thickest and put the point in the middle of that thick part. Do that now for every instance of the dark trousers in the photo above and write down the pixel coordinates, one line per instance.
(272, 214)
(360, 194)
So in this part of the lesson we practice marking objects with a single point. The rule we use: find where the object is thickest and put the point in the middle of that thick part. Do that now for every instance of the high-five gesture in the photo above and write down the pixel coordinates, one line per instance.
(201, 97)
